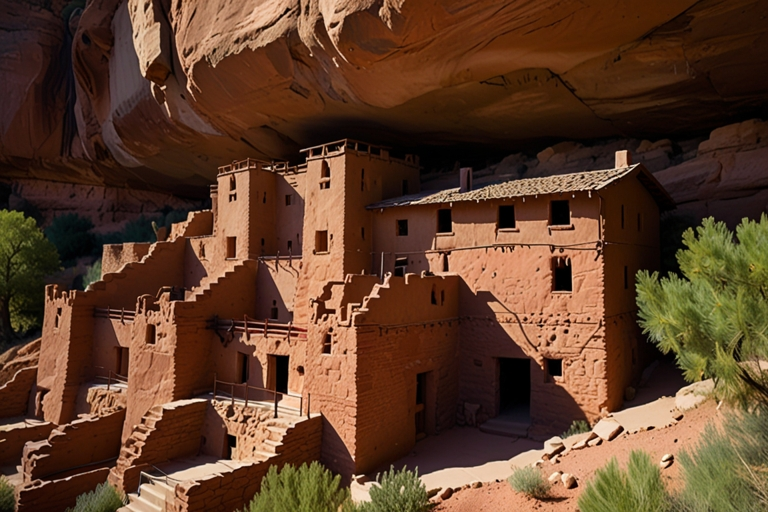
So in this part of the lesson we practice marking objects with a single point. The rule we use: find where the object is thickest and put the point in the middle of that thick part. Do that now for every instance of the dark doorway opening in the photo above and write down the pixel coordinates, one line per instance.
(242, 367)
(421, 403)
(515, 387)
(231, 446)
(281, 373)
(121, 368)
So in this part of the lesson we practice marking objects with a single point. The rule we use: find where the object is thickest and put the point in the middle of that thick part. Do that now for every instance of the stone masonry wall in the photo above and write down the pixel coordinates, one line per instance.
(14, 437)
(14, 395)
(230, 491)
(58, 495)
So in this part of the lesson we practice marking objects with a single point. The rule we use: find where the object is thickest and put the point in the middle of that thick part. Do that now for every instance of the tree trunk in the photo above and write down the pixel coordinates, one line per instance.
(6, 331)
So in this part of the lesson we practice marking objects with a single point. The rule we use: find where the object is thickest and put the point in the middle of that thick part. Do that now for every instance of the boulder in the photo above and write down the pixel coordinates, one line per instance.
(447, 493)
(554, 477)
(569, 481)
(607, 429)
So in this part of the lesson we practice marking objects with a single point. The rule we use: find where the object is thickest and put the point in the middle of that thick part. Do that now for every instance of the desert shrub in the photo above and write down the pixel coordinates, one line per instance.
(638, 489)
(72, 236)
(7, 498)
(727, 471)
(398, 491)
(529, 481)
(577, 427)
(93, 273)
(310, 488)
(105, 498)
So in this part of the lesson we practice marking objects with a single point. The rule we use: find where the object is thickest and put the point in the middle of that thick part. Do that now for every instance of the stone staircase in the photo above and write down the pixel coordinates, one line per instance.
(152, 497)
(209, 284)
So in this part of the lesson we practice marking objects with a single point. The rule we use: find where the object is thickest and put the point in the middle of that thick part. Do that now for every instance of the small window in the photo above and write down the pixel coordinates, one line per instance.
(639, 221)
(506, 217)
(442, 297)
(622, 216)
(290, 246)
(273, 311)
(626, 278)
(242, 367)
(325, 176)
(402, 227)
(57, 320)
(151, 334)
(445, 262)
(288, 199)
(327, 343)
(562, 275)
(560, 213)
(265, 198)
(231, 247)
(321, 241)
(232, 188)
(400, 265)
(433, 297)
(554, 367)
(405, 187)
(444, 222)
(362, 180)
(202, 251)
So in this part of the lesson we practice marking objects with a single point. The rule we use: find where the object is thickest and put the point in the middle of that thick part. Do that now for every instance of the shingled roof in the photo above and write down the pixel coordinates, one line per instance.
(562, 183)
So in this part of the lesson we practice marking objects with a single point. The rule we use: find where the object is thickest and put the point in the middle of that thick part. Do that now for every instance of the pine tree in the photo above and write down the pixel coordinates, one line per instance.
(715, 317)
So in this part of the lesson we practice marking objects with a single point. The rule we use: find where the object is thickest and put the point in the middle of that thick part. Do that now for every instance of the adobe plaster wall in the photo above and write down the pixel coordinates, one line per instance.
(57, 495)
(14, 394)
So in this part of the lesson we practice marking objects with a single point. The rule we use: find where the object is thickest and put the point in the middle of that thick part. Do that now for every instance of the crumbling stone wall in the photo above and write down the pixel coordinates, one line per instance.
(14, 395)
(13, 438)
(57, 495)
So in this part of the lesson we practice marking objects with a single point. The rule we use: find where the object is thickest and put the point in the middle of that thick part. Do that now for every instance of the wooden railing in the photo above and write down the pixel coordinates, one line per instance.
(110, 376)
(217, 384)
(124, 315)
(251, 326)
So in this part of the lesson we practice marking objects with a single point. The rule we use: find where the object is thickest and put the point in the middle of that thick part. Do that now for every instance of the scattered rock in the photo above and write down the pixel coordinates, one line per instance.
(555, 459)
(476, 485)
(552, 447)
(693, 395)
(433, 492)
(581, 444)
(554, 477)
(569, 481)
(678, 416)
(447, 493)
(607, 429)
(595, 442)
(537, 464)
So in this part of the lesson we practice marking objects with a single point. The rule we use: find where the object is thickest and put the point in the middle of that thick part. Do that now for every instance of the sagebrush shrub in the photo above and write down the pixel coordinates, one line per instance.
(529, 481)
(398, 491)
(93, 274)
(577, 427)
(638, 489)
(7, 498)
(105, 498)
(310, 488)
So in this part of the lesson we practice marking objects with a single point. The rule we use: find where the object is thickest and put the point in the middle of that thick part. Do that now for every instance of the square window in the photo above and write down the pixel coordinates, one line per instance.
(506, 217)
(321, 241)
(560, 213)
(327, 343)
(400, 265)
(444, 221)
(151, 334)
(554, 367)
(561, 269)
(402, 227)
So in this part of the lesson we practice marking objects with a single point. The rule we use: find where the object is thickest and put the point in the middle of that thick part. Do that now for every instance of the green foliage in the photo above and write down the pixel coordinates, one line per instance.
(72, 236)
(25, 258)
(577, 427)
(727, 471)
(398, 491)
(715, 317)
(142, 229)
(93, 273)
(638, 489)
(105, 498)
(528, 480)
(306, 489)
(7, 498)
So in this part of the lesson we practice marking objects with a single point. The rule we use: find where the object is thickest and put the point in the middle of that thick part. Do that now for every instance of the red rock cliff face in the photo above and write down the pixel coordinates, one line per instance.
(158, 92)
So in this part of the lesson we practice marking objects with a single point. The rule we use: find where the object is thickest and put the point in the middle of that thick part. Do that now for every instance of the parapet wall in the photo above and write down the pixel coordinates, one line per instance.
(14, 437)
(14, 395)
(58, 495)
(230, 491)
(114, 256)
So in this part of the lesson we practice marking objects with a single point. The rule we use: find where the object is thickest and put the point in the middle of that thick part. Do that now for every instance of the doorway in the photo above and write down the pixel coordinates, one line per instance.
(515, 388)
(242, 368)
(278, 373)
(121, 368)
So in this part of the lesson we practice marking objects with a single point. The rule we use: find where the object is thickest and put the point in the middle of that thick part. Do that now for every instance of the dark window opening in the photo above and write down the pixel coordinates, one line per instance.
(362, 180)
(562, 275)
(325, 176)
(626, 278)
(151, 334)
(405, 187)
(265, 198)
(362, 233)
(554, 367)
(433, 298)
(444, 222)
(442, 297)
(290, 246)
(402, 227)
(202, 251)
(560, 213)
(232, 183)
(506, 217)
(273, 311)
(327, 343)
(445, 262)
(400, 265)
(57, 320)
(321, 241)
(288, 199)
(281, 374)
(242, 367)
(121, 368)
(231, 446)
(231, 247)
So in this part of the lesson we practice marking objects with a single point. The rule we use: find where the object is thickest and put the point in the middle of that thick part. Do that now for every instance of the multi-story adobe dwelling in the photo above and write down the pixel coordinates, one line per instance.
(334, 311)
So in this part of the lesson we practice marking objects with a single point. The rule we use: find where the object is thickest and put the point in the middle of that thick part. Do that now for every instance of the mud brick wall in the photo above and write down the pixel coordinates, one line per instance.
(13, 439)
(14, 395)
(58, 495)
(114, 256)
(84, 441)
(167, 432)
(231, 491)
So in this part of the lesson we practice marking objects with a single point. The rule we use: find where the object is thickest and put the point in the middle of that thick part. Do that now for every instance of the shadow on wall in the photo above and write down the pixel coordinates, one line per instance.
(335, 455)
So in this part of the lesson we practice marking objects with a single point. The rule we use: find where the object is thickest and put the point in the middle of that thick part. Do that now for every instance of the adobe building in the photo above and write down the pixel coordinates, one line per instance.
(334, 311)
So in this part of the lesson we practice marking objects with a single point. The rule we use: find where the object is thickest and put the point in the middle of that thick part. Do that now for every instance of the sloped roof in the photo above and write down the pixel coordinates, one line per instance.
(562, 183)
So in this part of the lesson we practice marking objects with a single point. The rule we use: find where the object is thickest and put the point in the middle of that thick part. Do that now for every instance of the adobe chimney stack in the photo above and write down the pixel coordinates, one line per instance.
(465, 179)
(623, 159)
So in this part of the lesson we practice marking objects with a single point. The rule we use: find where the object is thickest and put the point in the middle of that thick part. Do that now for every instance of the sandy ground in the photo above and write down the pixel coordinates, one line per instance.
(583, 463)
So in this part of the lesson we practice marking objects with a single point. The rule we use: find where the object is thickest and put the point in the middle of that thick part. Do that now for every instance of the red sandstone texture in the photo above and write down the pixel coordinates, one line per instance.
(583, 463)
(144, 93)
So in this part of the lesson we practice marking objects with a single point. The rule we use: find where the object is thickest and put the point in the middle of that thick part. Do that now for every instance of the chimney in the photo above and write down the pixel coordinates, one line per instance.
(465, 179)
(623, 159)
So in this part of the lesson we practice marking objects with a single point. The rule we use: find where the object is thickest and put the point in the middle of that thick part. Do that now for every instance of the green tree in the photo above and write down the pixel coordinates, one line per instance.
(72, 236)
(714, 317)
(25, 258)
